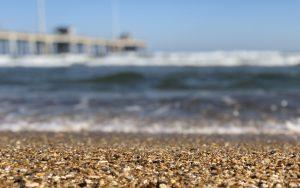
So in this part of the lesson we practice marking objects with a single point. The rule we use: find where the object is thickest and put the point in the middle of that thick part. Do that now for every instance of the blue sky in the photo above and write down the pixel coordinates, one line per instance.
(172, 25)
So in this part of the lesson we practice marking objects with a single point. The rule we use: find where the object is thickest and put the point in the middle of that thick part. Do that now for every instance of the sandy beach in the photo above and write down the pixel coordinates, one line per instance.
(129, 160)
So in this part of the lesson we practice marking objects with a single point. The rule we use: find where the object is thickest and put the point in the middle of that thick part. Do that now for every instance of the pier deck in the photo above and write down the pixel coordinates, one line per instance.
(21, 44)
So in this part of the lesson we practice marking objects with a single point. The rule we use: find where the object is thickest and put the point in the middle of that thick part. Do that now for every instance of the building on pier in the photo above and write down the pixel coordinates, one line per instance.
(63, 41)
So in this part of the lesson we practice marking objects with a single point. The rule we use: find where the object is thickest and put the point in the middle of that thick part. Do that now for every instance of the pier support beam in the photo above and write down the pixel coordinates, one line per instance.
(12, 45)
(4, 47)
(32, 47)
(49, 47)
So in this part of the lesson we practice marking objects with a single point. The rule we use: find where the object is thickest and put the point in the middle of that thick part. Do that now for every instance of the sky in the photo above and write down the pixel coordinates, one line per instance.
(171, 25)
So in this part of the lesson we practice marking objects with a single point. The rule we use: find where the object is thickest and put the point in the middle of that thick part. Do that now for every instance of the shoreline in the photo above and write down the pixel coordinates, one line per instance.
(34, 159)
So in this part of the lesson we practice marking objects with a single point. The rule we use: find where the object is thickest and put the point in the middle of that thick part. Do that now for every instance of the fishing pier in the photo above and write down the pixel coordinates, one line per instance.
(63, 41)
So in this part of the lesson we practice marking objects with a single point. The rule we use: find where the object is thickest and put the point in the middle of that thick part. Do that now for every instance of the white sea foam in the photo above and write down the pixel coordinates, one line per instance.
(291, 127)
(213, 58)
(216, 58)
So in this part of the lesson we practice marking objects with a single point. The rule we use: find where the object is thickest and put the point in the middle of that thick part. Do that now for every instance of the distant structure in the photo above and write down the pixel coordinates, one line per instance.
(41, 12)
(63, 41)
(115, 18)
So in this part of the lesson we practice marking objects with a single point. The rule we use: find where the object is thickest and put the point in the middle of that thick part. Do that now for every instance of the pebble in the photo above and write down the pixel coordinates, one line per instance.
(117, 160)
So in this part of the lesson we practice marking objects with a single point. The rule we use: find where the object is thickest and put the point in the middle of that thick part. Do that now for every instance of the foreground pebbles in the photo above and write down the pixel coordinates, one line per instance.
(118, 160)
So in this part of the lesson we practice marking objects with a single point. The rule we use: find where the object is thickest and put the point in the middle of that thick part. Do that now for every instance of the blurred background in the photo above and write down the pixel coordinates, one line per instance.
(172, 66)
(171, 25)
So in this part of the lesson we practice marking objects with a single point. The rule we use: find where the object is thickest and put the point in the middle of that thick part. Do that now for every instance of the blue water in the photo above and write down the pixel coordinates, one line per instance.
(151, 99)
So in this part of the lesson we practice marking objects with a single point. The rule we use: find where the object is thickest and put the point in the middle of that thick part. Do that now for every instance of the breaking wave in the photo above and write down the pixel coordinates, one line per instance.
(213, 58)
(163, 93)
(291, 127)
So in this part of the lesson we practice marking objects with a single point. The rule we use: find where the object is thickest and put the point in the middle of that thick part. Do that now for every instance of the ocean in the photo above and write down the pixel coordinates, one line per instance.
(163, 93)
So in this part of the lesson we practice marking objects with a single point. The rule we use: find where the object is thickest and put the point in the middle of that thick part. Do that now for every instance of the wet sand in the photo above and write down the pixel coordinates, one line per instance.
(124, 160)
